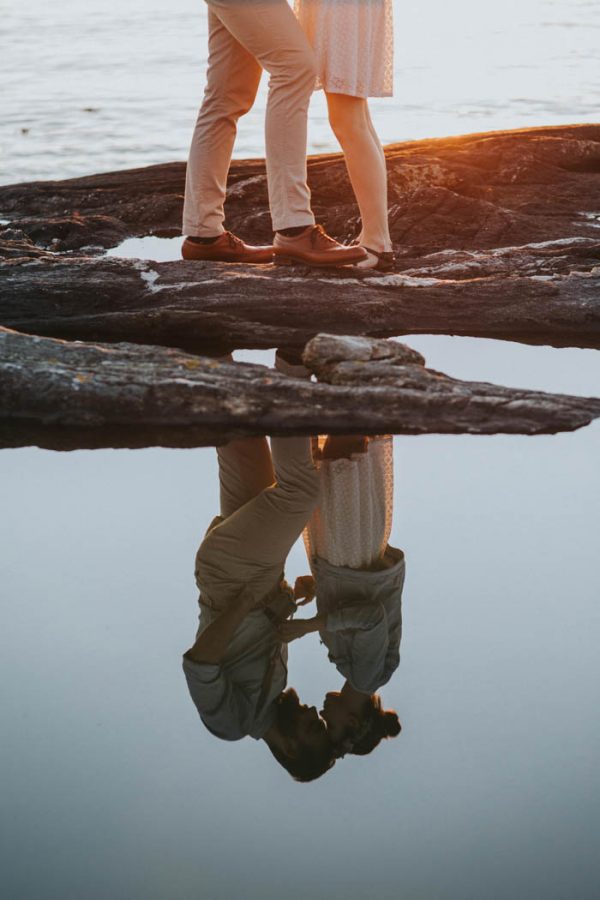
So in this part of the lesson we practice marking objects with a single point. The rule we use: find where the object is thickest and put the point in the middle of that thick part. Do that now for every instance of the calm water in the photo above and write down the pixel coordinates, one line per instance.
(111, 787)
(106, 84)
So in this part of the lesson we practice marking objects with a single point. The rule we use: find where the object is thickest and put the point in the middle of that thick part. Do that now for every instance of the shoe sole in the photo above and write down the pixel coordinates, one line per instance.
(296, 261)
(250, 262)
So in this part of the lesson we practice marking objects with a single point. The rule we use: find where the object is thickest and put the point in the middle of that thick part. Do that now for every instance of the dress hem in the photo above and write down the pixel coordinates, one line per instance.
(362, 95)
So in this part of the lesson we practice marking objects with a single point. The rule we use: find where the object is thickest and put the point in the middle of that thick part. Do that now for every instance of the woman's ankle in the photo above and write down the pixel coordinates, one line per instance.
(379, 243)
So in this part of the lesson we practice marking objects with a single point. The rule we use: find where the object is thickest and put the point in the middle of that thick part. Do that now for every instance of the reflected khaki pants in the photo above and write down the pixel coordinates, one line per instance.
(245, 37)
(267, 497)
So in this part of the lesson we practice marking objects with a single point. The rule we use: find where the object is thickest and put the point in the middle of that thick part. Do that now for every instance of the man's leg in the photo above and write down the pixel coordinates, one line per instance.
(269, 30)
(233, 77)
(246, 465)
(245, 469)
(252, 544)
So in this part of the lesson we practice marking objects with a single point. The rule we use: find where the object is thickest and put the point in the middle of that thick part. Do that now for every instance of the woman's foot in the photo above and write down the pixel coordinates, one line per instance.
(380, 260)
(383, 260)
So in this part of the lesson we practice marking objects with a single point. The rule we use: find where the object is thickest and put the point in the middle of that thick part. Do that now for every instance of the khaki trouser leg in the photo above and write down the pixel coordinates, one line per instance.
(267, 32)
(245, 469)
(250, 547)
(232, 81)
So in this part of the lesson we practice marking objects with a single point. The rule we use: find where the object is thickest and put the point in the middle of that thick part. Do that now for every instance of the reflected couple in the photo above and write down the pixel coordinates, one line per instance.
(338, 491)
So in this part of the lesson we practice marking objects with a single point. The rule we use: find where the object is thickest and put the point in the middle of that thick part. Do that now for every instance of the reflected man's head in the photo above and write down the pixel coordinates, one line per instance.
(358, 723)
(299, 739)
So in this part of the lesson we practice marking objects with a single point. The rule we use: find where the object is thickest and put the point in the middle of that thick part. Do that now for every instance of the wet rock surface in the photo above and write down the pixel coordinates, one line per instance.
(477, 191)
(65, 395)
(201, 307)
(497, 235)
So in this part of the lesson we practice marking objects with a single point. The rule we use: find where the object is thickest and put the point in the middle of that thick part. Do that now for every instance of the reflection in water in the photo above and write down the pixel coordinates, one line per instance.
(113, 786)
(338, 491)
(237, 669)
(358, 581)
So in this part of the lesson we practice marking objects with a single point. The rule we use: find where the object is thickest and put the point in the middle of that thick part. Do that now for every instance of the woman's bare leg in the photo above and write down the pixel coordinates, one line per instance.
(376, 136)
(351, 123)
(383, 160)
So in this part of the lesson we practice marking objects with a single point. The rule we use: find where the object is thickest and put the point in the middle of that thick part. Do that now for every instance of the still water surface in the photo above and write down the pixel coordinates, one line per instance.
(112, 788)
(107, 84)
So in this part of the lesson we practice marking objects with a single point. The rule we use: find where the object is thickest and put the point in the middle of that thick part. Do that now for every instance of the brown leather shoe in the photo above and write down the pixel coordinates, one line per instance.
(314, 248)
(227, 248)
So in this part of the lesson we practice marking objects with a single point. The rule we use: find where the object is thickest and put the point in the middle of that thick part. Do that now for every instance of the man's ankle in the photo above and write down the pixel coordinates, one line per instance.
(202, 240)
(294, 232)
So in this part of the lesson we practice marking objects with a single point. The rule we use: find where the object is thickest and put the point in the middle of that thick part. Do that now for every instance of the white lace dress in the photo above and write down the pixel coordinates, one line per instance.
(354, 44)
(351, 525)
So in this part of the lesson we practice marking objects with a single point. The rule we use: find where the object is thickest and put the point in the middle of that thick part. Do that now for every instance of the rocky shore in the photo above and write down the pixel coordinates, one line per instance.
(497, 235)
(69, 395)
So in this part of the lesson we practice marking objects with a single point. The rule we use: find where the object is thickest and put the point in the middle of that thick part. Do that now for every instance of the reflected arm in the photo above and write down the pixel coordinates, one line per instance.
(211, 645)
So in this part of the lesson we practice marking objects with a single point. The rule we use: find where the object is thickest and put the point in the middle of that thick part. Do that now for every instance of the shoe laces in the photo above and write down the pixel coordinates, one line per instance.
(319, 236)
(234, 242)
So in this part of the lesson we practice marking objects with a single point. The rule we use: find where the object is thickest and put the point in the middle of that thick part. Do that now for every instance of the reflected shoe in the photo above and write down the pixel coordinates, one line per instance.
(227, 248)
(313, 247)
(291, 364)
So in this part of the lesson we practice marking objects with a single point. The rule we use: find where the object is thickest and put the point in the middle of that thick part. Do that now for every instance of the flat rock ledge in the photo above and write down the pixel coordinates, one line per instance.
(498, 235)
(65, 396)
(538, 295)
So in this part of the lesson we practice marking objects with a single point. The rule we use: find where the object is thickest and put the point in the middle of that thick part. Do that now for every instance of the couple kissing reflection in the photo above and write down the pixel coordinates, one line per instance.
(337, 492)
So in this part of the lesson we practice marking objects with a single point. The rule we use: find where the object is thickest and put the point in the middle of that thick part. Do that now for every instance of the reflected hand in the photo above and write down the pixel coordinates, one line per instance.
(304, 589)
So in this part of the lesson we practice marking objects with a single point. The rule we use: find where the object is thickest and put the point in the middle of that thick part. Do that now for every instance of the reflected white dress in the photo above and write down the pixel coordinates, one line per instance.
(351, 525)
(358, 577)
(353, 42)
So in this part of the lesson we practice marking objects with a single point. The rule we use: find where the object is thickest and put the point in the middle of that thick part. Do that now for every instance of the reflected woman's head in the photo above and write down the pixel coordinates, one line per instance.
(358, 725)
(299, 739)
